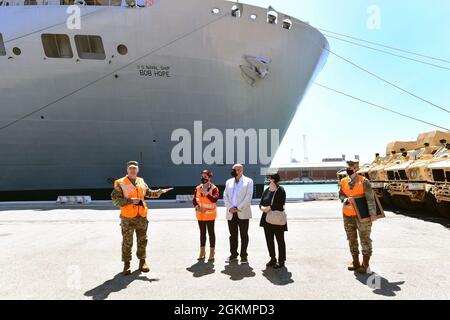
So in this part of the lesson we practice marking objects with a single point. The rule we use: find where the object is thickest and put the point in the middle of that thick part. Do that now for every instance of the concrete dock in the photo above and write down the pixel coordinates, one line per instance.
(51, 252)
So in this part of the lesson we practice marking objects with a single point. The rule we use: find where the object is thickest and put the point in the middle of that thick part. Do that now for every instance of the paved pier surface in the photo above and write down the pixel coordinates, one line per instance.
(74, 253)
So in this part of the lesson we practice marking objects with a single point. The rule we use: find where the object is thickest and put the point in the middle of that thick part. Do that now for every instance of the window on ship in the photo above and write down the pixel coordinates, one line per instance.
(90, 47)
(57, 45)
(2, 46)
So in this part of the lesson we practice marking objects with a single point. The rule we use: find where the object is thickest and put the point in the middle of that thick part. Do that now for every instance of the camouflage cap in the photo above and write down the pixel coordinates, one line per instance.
(132, 164)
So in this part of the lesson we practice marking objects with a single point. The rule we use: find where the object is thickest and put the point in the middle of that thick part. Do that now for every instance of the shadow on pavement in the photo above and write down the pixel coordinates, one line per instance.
(201, 268)
(238, 271)
(279, 277)
(116, 284)
(379, 284)
(421, 213)
(424, 216)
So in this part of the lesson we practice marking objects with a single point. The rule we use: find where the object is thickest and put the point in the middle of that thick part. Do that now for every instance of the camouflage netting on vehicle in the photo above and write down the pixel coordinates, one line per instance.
(433, 137)
(397, 145)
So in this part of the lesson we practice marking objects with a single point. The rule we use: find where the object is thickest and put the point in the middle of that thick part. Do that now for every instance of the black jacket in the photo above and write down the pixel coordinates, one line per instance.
(278, 205)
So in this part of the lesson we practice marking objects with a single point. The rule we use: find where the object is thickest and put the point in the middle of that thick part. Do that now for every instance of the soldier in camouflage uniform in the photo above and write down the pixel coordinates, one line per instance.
(404, 156)
(128, 194)
(349, 187)
(377, 160)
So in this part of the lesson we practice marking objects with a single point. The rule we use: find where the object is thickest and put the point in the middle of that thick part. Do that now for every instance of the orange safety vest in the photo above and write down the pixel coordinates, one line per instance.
(209, 208)
(131, 191)
(356, 192)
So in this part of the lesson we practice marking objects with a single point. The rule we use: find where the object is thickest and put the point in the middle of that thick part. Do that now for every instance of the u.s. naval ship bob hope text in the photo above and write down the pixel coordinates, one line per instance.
(171, 84)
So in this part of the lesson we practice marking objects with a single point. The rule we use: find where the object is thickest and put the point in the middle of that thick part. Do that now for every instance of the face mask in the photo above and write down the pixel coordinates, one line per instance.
(204, 180)
(350, 171)
(271, 179)
(234, 173)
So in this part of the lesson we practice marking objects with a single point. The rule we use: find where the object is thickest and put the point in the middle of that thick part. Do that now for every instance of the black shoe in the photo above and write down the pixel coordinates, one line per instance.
(279, 265)
(271, 263)
(231, 259)
(244, 260)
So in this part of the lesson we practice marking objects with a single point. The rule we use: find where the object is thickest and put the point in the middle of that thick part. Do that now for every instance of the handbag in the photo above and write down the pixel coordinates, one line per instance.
(276, 217)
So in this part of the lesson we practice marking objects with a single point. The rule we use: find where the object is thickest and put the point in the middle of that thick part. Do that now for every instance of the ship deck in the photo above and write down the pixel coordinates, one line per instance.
(54, 252)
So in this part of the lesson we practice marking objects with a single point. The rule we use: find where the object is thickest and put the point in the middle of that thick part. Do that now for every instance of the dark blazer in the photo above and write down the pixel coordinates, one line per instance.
(278, 205)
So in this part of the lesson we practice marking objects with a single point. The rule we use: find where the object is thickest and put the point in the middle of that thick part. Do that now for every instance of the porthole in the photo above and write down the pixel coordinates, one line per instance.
(17, 51)
(215, 11)
(122, 49)
(253, 16)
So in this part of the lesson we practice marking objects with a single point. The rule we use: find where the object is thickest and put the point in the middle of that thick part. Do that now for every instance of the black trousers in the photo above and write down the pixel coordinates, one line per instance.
(238, 226)
(272, 232)
(204, 225)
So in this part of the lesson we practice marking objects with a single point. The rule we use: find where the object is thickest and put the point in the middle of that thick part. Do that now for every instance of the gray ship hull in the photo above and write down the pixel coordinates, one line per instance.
(101, 113)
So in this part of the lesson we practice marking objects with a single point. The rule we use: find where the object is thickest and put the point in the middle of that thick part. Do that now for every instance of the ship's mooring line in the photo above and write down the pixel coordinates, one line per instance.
(390, 53)
(377, 76)
(379, 106)
(111, 73)
(53, 26)
(381, 45)
(387, 81)
(384, 46)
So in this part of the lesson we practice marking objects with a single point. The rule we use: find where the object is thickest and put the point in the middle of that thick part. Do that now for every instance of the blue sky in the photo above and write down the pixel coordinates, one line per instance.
(336, 125)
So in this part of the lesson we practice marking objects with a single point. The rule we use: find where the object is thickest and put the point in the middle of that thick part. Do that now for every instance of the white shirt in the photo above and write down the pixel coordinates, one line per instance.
(239, 195)
(236, 189)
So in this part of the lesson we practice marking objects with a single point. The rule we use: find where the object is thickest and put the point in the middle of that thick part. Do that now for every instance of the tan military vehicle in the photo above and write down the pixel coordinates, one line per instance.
(407, 192)
(408, 180)
(439, 184)
(364, 170)
(377, 171)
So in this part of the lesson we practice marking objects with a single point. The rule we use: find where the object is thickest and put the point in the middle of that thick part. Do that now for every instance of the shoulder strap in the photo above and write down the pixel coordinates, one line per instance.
(273, 197)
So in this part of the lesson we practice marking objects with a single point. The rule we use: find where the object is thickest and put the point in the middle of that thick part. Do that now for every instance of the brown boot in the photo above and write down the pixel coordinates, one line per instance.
(126, 268)
(365, 265)
(355, 265)
(212, 252)
(202, 254)
(143, 266)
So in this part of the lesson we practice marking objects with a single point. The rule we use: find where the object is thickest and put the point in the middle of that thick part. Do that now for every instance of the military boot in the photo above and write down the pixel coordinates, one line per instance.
(202, 254)
(126, 268)
(143, 266)
(212, 252)
(365, 265)
(355, 265)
